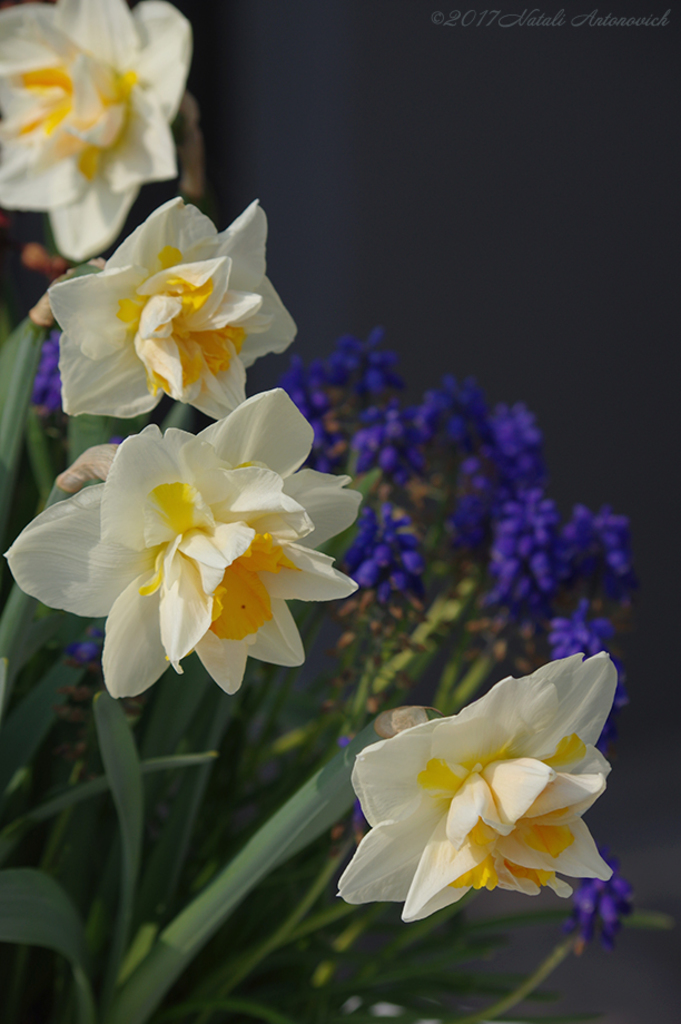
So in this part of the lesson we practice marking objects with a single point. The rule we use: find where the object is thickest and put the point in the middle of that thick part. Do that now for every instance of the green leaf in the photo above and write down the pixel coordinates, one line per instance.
(122, 767)
(35, 911)
(163, 867)
(3, 684)
(25, 347)
(17, 829)
(251, 1009)
(652, 919)
(318, 804)
(29, 723)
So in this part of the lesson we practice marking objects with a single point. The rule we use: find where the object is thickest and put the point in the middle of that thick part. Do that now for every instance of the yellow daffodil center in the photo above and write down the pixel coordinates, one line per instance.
(440, 778)
(199, 350)
(483, 876)
(551, 839)
(241, 603)
(176, 505)
(54, 88)
(569, 751)
(535, 875)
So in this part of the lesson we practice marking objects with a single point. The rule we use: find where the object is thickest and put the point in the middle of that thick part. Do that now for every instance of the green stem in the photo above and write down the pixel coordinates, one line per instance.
(526, 987)
(282, 934)
(30, 340)
(444, 610)
(470, 683)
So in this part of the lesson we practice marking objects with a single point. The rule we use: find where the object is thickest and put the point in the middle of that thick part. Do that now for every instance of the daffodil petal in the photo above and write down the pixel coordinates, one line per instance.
(166, 40)
(104, 28)
(224, 660)
(385, 776)
(278, 640)
(472, 801)
(244, 242)
(331, 506)
(516, 784)
(60, 559)
(185, 610)
(281, 328)
(313, 579)
(585, 690)
(439, 865)
(266, 429)
(572, 794)
(133, 656)
(386, 859)
(87, 311)
(90, 223)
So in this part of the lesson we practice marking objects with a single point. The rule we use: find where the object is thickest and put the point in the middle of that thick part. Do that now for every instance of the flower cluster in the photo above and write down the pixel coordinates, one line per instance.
(356, 371)
(600, 904)
(385, 554)
(392, 439)
(47, 384)
(598, 546)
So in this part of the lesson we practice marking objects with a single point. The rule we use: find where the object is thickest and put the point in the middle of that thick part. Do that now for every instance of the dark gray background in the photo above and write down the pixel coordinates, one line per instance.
(502, 200)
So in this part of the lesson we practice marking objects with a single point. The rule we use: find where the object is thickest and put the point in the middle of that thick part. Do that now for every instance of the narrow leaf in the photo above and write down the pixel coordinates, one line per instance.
(35, 911)
(122, 767)
(28, 339)
(31, 720)
(320, 802)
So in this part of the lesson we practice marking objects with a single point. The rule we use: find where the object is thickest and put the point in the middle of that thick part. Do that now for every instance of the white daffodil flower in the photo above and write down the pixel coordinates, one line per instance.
(88, 89)
(179, 309)
(195, 543)
(493, 796)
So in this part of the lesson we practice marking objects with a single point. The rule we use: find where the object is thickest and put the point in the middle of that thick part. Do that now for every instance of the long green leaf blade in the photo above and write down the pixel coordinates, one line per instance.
(323, 800)
(35, 911)
(122, 767)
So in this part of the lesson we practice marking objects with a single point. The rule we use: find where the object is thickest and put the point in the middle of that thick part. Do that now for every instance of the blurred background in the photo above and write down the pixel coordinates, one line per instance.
(502, 200)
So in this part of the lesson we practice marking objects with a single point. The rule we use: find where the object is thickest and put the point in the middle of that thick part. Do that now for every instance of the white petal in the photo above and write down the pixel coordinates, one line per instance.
(185, 610)
(163, 64)
(572, 794)
(585, 691)
(278, 641)
(145, 150)
(87, 308)
(133, 657)
(88, 225)
(219, 394)
(24, 45)
(516, 784)
(142, 462)
(113, 386)
(228, 541)
(175, 224)
(327, 501)
(440, 864)
(580, 860)
(244, 241)
(267, 428)
(27, 184)
(60, 559)
(499, 724)
(473, 801)
(103, 28)
(385, 776)
(314, 579)
(384, 863)
(281, 329)
(224, 660)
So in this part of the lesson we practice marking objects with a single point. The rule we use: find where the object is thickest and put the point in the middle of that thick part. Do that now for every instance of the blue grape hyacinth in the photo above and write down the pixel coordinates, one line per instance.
(600, 906)
(385, 554)
(47, 384)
